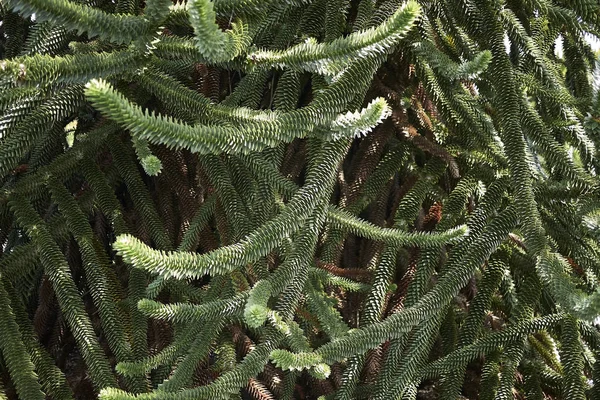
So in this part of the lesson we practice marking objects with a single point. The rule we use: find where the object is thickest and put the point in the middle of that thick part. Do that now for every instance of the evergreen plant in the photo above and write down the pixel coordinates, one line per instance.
(299, 199)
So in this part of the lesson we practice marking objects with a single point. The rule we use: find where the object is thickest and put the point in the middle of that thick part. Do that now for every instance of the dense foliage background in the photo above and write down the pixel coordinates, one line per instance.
(299, 199)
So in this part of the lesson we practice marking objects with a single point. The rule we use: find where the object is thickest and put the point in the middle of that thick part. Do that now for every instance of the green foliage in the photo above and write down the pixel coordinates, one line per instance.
(216, 46)
(330, 58)
(299, 199)
(15, 354)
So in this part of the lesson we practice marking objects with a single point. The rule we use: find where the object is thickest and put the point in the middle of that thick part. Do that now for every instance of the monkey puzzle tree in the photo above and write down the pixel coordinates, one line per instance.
(299, 199)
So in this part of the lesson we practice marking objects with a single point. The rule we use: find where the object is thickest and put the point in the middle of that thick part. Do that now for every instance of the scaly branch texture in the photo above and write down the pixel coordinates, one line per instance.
(300, 199)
